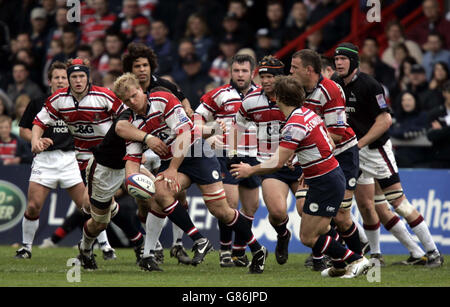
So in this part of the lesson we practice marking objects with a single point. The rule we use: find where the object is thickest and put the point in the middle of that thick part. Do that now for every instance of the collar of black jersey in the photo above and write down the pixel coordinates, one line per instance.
(252, 87)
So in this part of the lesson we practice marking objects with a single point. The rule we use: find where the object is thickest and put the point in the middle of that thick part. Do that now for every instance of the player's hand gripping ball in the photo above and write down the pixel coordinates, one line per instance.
(140, 186)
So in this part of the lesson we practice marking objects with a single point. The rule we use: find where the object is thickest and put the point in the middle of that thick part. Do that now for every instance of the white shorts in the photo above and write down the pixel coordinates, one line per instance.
(103, 182)
(50, 168)
(378, 163)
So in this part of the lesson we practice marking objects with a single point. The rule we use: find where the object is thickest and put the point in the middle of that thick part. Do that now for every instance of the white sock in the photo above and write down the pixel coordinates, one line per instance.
(373, 236)
(177, 234)
(402, 234)
(153, 228)
(423, 233)
(29, 228)
(361, 232)
(102, 239)
(87, 241)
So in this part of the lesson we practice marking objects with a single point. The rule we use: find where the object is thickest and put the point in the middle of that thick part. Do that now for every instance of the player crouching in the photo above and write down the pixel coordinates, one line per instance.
(160, 114)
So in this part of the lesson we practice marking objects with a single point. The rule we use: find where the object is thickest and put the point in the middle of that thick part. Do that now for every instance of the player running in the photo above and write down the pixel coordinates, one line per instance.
(259, 108)
(327, 100)
(305, 135)
(222, 104)
(368, 115)
(161, 115)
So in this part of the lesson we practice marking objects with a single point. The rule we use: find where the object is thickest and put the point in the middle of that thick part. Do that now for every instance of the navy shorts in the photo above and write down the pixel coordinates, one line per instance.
(285, 174)
(349, 163)
(202, 169)
(251, 182)
(325, 194)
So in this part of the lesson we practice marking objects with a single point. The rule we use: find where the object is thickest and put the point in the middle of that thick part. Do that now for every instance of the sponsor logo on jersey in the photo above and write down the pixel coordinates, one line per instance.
(12, 205)
(381, 102)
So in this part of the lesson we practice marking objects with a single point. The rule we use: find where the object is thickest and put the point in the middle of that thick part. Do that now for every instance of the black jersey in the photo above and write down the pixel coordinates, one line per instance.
(60, 134)
(111, 151)
(364, 102)
(157, 81)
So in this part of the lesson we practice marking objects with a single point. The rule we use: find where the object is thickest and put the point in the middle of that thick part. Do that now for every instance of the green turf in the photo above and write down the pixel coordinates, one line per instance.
(48, 268)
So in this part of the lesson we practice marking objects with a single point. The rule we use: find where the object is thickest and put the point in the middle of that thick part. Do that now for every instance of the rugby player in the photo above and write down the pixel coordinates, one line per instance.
(368, 115)
(305, 135)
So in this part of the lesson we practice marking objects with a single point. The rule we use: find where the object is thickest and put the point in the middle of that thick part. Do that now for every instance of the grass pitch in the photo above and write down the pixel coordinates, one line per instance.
(48, 268)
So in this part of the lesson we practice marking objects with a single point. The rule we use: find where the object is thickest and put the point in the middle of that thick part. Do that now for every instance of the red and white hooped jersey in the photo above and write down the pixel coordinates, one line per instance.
(223, 103)
(328, 101)
(88, 120)
(305, 133)
(165, 119)
(257, 109)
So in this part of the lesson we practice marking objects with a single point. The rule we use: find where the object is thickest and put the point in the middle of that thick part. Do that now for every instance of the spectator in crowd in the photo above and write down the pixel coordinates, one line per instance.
(220, 67)
(439, 134)
(163, 47)
(38, 34)
(435, 53)
(21, 104)
(98, 48)
(124, 22)
(314, 41)
(232, 29)
(23, 41)
(110, 77)
(114, 46)
(96, 26)
(435, 21)
(400, 52)
(240, 10)
(70, 43)
(185, 47)
(263, 45)
(428, 99)
(395, 35)
(383, 72)
(5, 103)
(55, 47)
(277, 29)
(13, 150)
(299, 17)
(410, 123)
(336, 28)
(26, 56)
(141, 29)
(439, 76)
(197, 31)
(50, 8)
(22, 83)
(115, 63)
(193, 85)
(403, 79)
(60, 21)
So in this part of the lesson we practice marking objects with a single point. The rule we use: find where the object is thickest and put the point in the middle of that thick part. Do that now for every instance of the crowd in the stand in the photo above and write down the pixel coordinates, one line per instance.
(194, 41)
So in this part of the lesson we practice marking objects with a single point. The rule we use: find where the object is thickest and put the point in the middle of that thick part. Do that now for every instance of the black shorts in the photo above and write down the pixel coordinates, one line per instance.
(202, 168)
(325, 194)
(349, 163)
(251, 182)
(285, 174)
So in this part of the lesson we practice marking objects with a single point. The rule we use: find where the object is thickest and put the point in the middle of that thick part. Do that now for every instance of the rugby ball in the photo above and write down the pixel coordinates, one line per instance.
(140, 186)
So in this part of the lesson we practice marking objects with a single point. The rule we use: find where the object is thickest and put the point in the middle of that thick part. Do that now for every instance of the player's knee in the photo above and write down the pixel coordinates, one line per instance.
(405, 208)
(307, 239)
(33, 210)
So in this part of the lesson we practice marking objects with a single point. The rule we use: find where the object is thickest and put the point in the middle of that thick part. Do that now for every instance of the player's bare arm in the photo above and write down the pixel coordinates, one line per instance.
(39, 144)
(381, 125)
